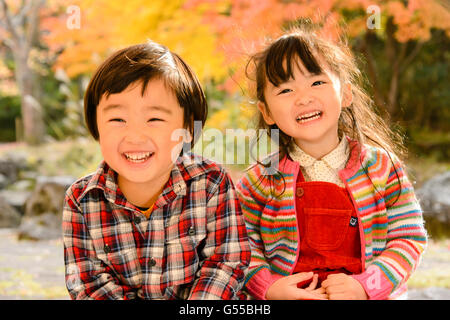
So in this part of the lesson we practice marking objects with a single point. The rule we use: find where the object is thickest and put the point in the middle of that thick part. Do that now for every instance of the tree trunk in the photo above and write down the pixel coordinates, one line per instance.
(32, 114)
(372, 70)
(23, 29)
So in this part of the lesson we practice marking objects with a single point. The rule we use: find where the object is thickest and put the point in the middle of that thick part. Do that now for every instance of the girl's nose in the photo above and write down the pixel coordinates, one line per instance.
(303, 99)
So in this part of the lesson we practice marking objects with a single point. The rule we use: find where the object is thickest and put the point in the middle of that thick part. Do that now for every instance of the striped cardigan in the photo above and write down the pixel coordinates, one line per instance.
(390, 220)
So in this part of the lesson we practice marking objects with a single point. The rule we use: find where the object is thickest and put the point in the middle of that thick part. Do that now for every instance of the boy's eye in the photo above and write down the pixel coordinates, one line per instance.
(284, 91)
(318, 83)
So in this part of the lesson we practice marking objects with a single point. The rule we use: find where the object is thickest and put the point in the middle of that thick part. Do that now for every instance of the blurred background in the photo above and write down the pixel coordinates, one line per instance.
(50, 48)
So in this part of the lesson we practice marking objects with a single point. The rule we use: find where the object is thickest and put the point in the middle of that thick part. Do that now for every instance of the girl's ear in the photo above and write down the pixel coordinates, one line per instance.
(347, 95)
(265, 113)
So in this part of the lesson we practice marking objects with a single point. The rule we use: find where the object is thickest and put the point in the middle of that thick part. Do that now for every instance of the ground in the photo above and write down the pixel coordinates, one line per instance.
(35, 270)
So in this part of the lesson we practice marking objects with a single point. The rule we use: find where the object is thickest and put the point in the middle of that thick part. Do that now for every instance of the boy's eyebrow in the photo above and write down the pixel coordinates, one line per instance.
(113, 106)
(159, 108)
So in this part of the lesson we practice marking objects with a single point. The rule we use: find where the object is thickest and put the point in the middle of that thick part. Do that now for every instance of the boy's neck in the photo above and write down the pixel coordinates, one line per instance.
(145, 194)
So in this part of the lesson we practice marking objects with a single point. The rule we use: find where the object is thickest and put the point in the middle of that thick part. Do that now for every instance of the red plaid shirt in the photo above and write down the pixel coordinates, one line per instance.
(193, 246)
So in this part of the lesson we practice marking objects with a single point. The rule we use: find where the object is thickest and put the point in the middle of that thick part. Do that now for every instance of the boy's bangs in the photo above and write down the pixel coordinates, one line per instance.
(282, 56)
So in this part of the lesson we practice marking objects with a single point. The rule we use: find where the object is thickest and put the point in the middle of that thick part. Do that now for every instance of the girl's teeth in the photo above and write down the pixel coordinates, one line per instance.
(309, 117)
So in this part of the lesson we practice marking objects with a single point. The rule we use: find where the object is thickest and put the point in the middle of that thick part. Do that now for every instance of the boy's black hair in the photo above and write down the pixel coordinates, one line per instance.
(144, 62)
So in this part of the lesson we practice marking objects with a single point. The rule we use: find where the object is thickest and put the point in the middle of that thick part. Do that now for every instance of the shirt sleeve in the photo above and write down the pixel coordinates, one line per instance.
(226, 250)
(259, 277)
(87, 277)
(406, 238)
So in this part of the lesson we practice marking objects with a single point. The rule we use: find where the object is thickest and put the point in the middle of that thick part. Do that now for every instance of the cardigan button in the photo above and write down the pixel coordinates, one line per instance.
(299, 192)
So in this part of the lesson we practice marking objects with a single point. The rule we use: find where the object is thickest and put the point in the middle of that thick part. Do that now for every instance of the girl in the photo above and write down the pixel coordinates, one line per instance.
(340, 212)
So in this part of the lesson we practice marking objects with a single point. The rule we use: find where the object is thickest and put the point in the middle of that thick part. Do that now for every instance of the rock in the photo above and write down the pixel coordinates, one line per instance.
(9, 217)
(65, 181)
(43, 209)
(16, 199)
(434, 197)
(3, 181)
(45, 226)
(432, 293)
(22, 185)
(11, 165)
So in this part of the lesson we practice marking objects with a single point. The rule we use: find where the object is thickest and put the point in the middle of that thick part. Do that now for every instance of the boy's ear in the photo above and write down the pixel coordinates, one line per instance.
(347, 95)
(265, 113)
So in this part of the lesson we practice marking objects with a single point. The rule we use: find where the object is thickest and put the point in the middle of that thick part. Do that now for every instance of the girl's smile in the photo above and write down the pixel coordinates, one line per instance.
(307, 117)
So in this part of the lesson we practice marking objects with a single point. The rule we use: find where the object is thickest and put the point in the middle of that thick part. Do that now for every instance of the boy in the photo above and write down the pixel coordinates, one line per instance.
(142, 226)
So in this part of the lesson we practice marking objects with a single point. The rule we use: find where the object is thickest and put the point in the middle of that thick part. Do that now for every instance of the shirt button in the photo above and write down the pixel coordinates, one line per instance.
(299, 192)
(152, 262)
(137, 220)
(106, 249)
(176, 188)
(191, 231)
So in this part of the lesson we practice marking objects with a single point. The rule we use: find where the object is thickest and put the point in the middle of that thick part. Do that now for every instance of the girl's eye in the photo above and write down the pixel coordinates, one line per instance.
(154, 119)
(284, 91)
(318, 83)
(116, 120)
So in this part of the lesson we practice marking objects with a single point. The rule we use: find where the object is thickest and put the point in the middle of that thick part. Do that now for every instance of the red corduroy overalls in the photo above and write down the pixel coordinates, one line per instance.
(328, 227)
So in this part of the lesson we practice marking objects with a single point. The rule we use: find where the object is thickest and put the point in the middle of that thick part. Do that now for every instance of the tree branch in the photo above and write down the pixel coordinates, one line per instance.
(413, 54)
(372, 70)
(9, 23)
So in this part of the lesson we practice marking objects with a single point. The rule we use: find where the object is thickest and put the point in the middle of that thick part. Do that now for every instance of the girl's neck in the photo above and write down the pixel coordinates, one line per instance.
(318, 150)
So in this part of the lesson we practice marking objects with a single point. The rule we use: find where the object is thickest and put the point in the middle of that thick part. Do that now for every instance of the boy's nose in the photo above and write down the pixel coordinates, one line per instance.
(136, 136)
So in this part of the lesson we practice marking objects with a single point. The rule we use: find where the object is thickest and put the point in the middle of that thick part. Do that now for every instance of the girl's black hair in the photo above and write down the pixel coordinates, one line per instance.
(360, 121)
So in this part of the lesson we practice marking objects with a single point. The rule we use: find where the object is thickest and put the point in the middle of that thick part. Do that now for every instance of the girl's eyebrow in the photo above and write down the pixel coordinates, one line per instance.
(307, 76)
(113, 106)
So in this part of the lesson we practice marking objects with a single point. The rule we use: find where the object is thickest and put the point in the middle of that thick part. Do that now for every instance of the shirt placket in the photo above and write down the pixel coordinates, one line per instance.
(155, 244)
(154, 253)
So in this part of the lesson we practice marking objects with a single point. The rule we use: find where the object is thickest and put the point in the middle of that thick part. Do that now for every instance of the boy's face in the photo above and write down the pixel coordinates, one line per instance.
(135, 132)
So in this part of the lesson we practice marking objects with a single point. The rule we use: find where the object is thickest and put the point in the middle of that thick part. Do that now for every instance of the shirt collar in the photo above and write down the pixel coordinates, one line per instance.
(335, 159)
(186, 167)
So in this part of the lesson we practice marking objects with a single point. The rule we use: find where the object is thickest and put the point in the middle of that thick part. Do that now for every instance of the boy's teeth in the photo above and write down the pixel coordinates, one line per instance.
(140, 156)
(309, 116)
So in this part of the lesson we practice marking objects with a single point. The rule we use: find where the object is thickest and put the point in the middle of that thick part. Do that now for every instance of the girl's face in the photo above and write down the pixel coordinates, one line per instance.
(307, 108)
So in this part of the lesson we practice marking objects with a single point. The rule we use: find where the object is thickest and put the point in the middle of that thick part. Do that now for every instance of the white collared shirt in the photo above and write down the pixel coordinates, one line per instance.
(325, 169)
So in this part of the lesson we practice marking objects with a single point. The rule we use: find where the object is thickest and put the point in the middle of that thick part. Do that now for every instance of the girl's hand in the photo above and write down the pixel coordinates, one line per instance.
(343, 287)
(286, 288)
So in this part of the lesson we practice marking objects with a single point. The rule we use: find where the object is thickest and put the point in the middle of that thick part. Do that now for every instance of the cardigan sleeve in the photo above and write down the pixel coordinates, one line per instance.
(406, 238)
(259, 277)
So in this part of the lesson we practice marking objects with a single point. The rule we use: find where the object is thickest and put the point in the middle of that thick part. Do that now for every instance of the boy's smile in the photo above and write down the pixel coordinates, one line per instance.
(135, 132)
